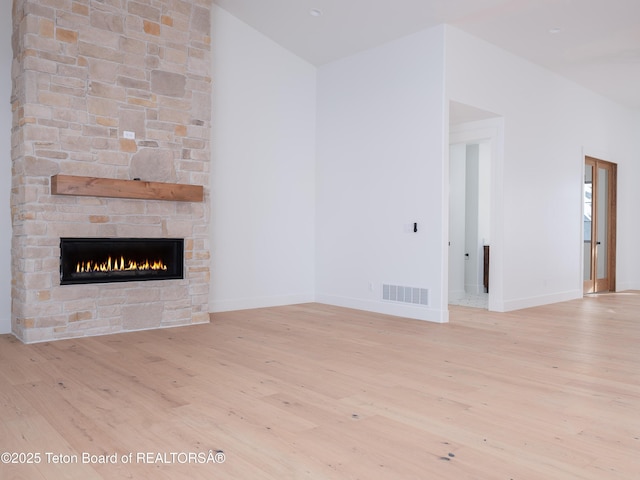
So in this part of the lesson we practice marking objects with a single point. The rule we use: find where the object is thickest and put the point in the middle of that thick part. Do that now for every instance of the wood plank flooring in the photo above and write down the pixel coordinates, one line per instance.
(320, 392)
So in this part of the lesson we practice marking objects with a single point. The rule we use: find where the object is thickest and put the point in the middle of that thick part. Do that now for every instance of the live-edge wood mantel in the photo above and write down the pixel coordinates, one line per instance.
(114, 188)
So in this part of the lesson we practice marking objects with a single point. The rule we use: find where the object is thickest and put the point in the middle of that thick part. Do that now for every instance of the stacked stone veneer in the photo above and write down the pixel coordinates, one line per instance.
(84, 72)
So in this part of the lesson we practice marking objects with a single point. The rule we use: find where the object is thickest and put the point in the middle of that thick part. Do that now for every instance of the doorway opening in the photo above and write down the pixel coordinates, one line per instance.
(599, 221)
(474, 254)
(469, 223)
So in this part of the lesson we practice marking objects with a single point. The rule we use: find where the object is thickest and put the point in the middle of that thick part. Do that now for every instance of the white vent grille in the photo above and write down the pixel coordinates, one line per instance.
(398, 293)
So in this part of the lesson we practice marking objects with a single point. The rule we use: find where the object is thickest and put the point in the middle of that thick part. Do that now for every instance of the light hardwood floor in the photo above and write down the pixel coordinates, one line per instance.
(319, 392)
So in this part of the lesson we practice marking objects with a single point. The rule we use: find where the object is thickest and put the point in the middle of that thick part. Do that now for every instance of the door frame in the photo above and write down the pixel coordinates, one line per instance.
(592, 285)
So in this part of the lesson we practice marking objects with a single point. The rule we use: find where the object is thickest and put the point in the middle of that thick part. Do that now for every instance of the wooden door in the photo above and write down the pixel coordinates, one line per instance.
(599, 220)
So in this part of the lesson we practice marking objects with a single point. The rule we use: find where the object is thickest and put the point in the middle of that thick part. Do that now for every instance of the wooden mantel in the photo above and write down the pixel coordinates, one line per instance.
(111, 187)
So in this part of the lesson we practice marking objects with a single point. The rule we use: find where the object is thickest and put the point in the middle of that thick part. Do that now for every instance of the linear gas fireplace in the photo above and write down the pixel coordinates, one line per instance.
(105, 260)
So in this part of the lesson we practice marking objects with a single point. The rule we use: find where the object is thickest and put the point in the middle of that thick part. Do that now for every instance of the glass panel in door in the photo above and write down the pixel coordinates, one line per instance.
(588, 227)
(602, 228)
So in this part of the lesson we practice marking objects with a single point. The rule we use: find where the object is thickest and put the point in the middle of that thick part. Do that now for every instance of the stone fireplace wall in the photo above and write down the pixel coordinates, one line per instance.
(84, 73)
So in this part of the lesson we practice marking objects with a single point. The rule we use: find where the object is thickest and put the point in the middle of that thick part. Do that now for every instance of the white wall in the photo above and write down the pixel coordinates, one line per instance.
(550, 124)
(263, 170)
(380, 149)
(6, 57)
(628, 266)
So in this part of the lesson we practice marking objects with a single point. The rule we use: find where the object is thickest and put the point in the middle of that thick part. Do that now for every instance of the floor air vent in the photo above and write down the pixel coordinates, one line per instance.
(398, 293)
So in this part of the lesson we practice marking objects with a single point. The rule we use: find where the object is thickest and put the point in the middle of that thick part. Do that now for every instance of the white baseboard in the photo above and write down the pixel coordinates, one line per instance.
(387, 308)
(538, 301)
(627, 286)
(258, 302)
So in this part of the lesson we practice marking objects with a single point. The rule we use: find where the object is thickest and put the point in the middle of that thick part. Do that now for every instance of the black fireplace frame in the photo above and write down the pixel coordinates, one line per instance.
(73, 249)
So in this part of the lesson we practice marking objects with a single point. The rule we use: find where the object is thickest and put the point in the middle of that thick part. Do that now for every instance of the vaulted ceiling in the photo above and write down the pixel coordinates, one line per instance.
(595, 43)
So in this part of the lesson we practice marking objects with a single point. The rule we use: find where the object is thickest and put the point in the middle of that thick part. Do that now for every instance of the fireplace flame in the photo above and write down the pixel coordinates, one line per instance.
(119, 265)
